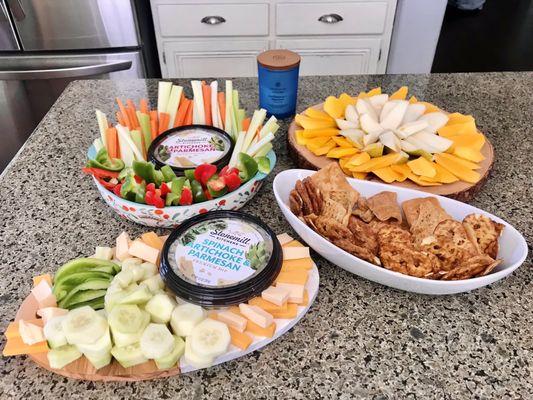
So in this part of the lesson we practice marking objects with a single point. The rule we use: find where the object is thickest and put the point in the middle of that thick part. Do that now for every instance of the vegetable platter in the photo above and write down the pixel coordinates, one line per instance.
(392, 139)
(159, 167)
(110, 317)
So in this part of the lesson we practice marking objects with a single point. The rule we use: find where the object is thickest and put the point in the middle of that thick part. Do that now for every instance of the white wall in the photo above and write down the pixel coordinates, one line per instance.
(415, 36)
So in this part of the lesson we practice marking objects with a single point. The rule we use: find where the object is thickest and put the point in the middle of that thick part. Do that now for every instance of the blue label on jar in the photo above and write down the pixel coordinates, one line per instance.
(278, 91)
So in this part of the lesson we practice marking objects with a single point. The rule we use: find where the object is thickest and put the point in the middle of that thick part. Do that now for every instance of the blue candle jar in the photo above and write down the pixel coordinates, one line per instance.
(278, 82)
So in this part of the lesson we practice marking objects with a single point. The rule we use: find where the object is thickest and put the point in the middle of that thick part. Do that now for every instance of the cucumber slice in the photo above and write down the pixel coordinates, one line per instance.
(61, 289)
(104, 253)
(130, 355)
(210, 338)
(100, 361)
(160, 308)
(125, 339)
(149, 270)
(123, 278)
(61, 356)
(84, 296)
(185, 317)
(128, 263)
(95, 284)
(112, 299)
(138, 296)
(83, 326)
(84, 264)
(263, 164)
(155, 283)
(138, 273)
(156, 341)
(53, 332)
(194, 359)
(126, 318)
(99, 348)
(171, 359)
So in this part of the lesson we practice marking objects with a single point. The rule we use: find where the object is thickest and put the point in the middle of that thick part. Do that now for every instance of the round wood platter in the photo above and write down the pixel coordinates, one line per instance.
(83, 370)
(460, 190)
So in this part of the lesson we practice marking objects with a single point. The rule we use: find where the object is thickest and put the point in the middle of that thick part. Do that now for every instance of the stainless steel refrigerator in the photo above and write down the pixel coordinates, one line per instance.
(45, 44)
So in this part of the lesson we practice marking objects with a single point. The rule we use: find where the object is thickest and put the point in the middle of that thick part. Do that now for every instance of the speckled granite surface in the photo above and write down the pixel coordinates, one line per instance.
(360, 339)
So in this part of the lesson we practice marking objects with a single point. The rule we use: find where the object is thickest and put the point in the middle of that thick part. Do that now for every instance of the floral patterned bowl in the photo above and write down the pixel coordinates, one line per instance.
(170, 217)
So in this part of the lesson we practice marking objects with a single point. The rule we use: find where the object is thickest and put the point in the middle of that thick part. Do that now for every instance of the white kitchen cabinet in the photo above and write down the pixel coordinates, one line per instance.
(221, 38)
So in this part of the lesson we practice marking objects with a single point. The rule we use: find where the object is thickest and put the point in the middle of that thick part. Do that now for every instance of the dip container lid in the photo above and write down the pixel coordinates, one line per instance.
(278, 59)
(220, 258)
(189, 146)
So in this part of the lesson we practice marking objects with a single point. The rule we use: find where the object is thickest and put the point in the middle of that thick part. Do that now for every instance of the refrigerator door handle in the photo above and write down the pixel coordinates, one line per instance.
(71, 72)
(16, 9)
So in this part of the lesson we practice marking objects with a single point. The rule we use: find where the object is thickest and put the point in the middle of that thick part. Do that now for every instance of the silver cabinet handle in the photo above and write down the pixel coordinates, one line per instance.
(213, 20)
(72, 72)
(330, 18)
(16, 9)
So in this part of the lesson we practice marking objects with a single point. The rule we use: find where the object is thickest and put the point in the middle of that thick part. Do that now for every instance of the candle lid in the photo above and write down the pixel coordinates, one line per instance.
(278, 59)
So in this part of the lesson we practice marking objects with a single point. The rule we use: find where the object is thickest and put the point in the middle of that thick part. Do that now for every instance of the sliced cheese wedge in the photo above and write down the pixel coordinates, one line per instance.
(30, 334)
(144, 252)
(296, 291)
(256, 314)
(284, 238)
(122, 246)
(278, 296)
(293, 253)
(233, 320)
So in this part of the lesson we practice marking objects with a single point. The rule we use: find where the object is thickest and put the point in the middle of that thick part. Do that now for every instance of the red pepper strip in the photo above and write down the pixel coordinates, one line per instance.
(164, 189)
(138, 179)
(150, 187)
(106, 184)
(208, 195)
(158, 201)
(228, 171)
(149, 197)
(116, 189)
(153, 199)
(232, 181)
(186, 197)
(203, 172)
(217, 184)
(100, 173)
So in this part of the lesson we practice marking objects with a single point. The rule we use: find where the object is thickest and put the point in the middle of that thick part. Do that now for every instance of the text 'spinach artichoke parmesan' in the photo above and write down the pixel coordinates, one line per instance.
(221, 258)
(190, 146)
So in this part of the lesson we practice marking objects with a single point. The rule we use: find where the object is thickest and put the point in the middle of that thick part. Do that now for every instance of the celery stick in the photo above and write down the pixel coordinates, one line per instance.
(257, 120)
(235, 109)
(126, 148)
(229, 110)
(237, 149)
(198, 111)
(144, 121)
(266, 139)
(241, 114)
(102, 126)
(173, 104)
(98, 144)
(263, 151)
(137, 138)
(163, 93)
(215, 111)
(270, 126)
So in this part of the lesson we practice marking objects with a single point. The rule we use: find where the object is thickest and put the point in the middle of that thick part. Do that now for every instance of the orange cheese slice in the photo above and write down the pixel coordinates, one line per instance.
(152, 240)
(266, 305)
(15, 346)
(291, 312)
(298, 263)
(12, 330)
(238, 339)
(293, 243)
(45, 277)
(295, 277)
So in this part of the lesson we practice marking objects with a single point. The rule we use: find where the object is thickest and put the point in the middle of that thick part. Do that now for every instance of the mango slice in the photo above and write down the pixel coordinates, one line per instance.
(413, 100)
(326, 132)
(429, 107)
(378, 162)
(458, 118)
(346, 100)
(400, 94)
(342, 142)
(474, 141)
(460, 161)
(457, 169)
(317, 114)
(341, 152)
(468, 153)
(359, 175)
(374, 92)
(314, 123)
(458, 129)
(444, 176)
(386, 174)
(300, 139)
(358, 159)
(318, 141)
(402, 170)
(323, 150)
(416, 179)
(334, 107)
(422, 167)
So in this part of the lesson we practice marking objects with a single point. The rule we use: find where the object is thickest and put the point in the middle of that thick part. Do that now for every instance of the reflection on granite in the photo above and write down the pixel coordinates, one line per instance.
(360, 339)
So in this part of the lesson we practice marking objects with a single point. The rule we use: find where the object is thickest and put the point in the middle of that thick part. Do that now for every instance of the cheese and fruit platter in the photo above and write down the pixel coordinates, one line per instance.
(392, 139)
(116, 315)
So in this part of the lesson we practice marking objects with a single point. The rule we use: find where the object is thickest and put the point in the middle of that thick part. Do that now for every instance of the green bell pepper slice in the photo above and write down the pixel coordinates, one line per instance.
(103, 161)
(247, 167)
(198, 194)
(189, 173)
(168, 173)
(147, 171)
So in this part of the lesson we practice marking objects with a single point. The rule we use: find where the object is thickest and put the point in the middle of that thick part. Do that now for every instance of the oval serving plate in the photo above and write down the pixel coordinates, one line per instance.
(513, 247)
(82, 369)
(170, 217)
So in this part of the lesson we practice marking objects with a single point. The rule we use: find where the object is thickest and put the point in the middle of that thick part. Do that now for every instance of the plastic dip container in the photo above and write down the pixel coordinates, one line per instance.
(278, 82)
(220, 258)
(189, 146)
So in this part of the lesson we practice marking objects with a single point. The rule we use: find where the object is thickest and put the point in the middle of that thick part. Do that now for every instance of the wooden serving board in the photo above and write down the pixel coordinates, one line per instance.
(83, 370)
(462, 191)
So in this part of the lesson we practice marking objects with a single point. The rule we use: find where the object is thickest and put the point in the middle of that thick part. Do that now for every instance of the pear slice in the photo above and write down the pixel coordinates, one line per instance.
(435, 141)
(364, 107)
(369, 125)
(351, 114)
(414, 112)
(435, 120)
(371, 138)
(395, 116)
(374, 150)
(355, 135)
(407, 146)
(390, 140)
(378, 101)
(420, 145)
(387, 108)
(344, 124)
(410, 128)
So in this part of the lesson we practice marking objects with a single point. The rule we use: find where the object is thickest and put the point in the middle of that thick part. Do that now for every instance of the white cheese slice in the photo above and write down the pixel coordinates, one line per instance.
(30, 333)
(47, 313)
(42, 291)
(123, 245)
(276, 295)
(141, 250)
(296, 291)
(231, 319)
(293, 253)
(257, 315)
(284, 238)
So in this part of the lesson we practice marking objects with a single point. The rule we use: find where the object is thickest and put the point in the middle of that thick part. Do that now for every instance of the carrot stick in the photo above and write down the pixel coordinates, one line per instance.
(120, 119)
(163, 122)
(132, 117)
(188, 117)
(206, 91)
(182, 112)
(222, 107)
(154, 129)
(124, 113)
(131, 104)
(112, 142)
(245, 124)
(144, 106)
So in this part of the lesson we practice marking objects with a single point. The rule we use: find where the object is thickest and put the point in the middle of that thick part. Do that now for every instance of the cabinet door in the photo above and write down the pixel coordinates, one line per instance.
(207, 59)
(335, 56)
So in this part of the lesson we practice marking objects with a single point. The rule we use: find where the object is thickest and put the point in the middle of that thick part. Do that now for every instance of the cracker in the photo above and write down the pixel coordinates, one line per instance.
(385, 206)
(331, 178)
(428, 217)
(484, 233)
(410, 208)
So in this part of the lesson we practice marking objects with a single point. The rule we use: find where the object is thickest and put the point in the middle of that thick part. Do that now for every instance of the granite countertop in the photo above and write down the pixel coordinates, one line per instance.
(359, 339)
